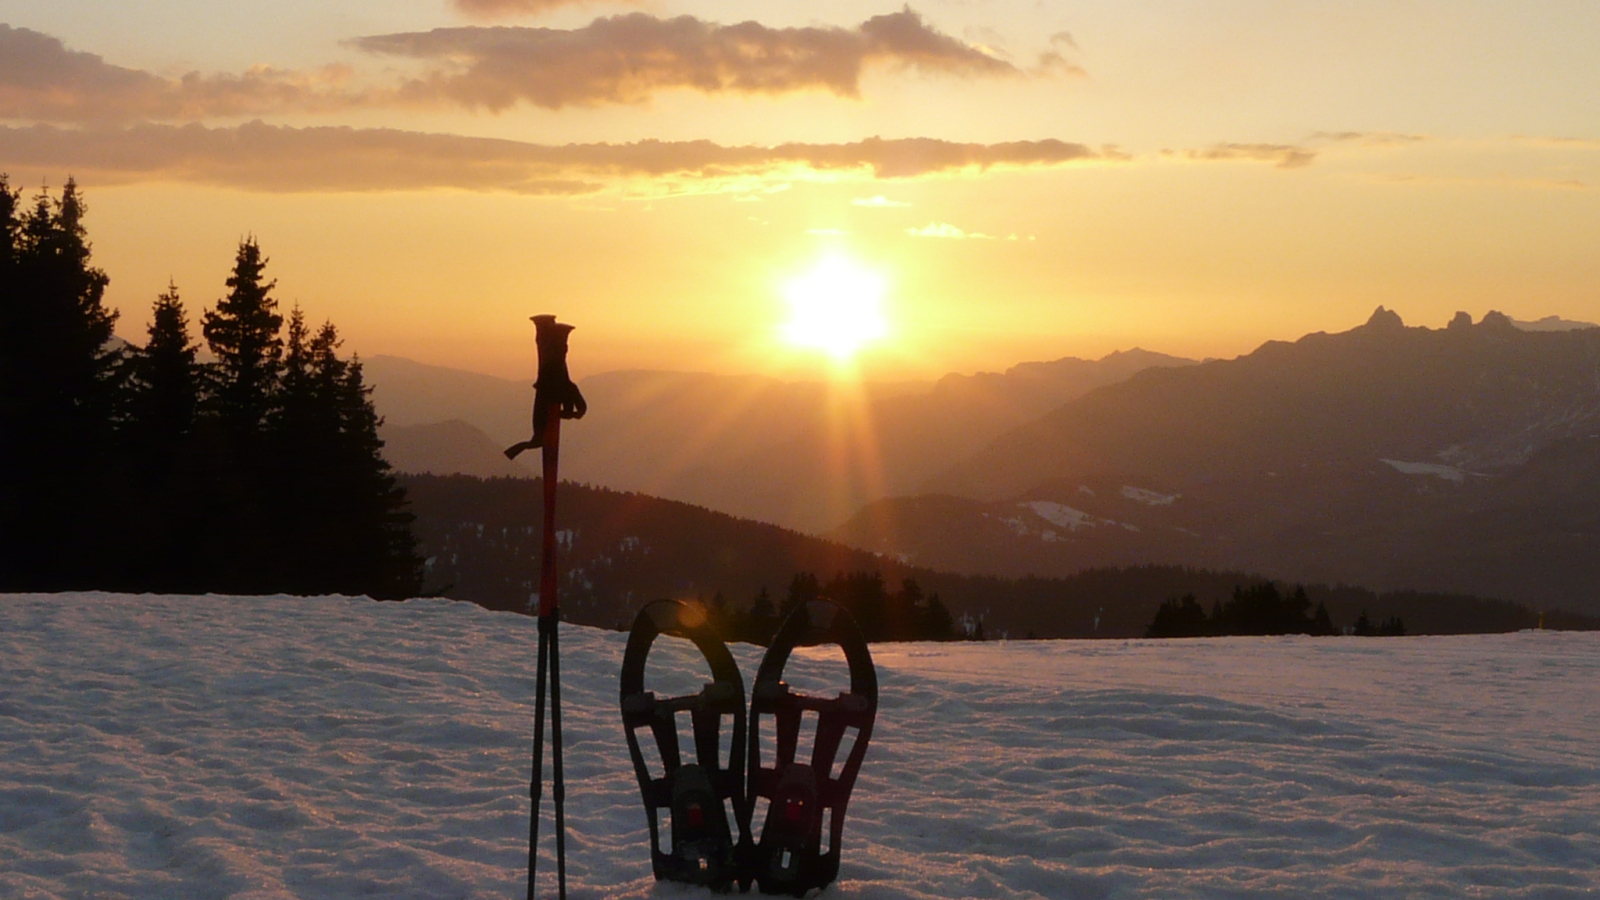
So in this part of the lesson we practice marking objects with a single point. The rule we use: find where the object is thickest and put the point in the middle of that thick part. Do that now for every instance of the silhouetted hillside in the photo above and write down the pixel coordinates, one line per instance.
(620, 550)
(447, 448)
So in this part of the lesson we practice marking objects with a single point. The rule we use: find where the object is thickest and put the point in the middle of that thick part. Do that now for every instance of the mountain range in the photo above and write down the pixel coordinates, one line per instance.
(1460, 459)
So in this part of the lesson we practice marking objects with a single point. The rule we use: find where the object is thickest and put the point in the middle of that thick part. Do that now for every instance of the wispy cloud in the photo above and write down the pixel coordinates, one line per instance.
(41, 80)
(1558, 143)
(946, 230)
(1371, 138)
(1283, 156)
(629, 58)
(273, 158)
(495, 9)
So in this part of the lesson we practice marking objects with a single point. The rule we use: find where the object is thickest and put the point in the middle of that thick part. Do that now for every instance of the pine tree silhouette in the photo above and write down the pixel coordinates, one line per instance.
(59, 385)
(162, 532)
(243, 334)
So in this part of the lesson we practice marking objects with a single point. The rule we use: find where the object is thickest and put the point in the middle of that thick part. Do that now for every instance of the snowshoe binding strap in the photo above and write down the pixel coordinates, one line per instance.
(696, 793)
(798, 848)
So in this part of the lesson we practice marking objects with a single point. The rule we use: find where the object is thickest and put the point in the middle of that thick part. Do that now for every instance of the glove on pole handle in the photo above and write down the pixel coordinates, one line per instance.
(555, 398)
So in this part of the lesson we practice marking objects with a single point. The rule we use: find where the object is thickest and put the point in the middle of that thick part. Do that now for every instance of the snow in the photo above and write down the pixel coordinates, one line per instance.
(1148, 497)
(1437, 470)
(210, 747)
(1060, 514)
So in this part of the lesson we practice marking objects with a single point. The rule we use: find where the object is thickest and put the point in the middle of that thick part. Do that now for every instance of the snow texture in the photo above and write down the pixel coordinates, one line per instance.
(1061, 514)
(211, 747)
(1148, 497)
(1437, 470)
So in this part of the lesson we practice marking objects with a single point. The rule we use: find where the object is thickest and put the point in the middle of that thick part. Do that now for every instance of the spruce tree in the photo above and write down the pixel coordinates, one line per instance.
(243, 333)
(164, 394)
(240, 490)
(342, 518)
(163, 399)
(58, 392)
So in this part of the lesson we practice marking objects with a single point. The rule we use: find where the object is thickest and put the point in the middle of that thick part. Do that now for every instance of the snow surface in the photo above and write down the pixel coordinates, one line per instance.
(1148, 497)
(1437, 470)
(1060, 514)
(210, 747)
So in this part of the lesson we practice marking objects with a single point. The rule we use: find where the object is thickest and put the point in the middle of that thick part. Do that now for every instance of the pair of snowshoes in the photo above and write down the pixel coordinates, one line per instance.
(704, 806)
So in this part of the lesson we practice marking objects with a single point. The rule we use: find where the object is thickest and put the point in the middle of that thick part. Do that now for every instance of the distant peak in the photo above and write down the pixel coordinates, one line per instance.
(1385, 319)
(1496, 319)
(1462, 320)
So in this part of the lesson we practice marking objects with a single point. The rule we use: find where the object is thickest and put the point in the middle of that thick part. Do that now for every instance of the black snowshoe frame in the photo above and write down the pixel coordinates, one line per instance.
(797, 848)
(705, 796)
(806, 797)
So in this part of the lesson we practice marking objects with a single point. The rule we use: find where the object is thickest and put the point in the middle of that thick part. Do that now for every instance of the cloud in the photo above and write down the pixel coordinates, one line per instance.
(1374, 138)
(878, 202)
(494, 9)
(41, 80)
(946, 230)
(1283, 156)
(628, 58)
(263, 157)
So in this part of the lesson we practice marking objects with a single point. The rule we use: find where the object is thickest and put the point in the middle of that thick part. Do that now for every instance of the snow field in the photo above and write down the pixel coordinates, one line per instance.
(211, 747)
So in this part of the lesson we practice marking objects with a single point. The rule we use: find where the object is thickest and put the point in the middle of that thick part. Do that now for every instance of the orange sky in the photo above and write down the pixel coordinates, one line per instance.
(1031, 180)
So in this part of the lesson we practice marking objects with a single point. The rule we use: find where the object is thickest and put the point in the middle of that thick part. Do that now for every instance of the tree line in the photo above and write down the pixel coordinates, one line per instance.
(1258, 609)
(146, 468)
(883, 615)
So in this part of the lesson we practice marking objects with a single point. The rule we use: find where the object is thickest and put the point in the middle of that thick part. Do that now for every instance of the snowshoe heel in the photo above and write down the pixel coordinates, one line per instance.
(694, 795)
(803, 827)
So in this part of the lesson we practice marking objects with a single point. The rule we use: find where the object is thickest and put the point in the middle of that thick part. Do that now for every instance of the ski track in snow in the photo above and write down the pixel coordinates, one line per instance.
(211, 747)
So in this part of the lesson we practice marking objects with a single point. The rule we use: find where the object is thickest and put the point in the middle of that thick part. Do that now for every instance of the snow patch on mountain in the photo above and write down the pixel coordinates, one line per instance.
(1437, 470)
(1148, 497)
(1061, 514)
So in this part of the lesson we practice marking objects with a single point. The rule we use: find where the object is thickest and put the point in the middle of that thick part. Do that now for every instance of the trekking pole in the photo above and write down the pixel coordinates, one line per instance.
(555, 398)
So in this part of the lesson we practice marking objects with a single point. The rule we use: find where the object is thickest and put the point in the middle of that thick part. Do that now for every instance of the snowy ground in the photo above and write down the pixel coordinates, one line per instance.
(200, 747)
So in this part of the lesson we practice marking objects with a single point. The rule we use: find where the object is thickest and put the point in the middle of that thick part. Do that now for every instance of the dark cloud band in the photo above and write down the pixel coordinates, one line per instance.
(264, 157)
(627, 59)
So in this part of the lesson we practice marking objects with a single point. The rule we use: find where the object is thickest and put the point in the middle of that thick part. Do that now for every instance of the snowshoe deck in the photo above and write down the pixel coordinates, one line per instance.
(698, 794)
(798, 847)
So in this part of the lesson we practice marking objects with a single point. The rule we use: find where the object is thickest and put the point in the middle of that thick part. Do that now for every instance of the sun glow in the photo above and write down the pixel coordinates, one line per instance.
(836, 307)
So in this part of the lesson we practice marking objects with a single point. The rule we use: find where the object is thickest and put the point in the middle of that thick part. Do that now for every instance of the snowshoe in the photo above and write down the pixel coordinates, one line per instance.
(695, 794)
(805, 798)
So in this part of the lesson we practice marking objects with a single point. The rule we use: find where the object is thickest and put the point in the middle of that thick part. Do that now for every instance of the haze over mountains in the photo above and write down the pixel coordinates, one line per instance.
(1458, 459)
(804, 455)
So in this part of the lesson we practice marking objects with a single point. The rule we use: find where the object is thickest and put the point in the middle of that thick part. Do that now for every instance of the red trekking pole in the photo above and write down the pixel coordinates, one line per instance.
(555, 398)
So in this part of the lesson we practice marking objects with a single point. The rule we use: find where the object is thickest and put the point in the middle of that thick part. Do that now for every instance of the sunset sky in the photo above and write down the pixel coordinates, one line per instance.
(1023, 179)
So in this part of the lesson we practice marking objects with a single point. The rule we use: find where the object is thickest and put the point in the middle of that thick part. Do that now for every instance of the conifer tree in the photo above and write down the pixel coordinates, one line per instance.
(936, 622)
(58, 391)
(344, 525)
(761, 623)
(243, 333)
(161, 531)
(164, 393)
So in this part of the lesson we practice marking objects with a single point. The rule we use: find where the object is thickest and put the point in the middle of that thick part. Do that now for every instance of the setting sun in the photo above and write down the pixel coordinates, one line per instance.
(835, 307)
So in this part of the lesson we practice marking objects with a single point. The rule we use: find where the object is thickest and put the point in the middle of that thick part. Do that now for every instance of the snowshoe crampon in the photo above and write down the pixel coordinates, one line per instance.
(805, 798)
(695, 795)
